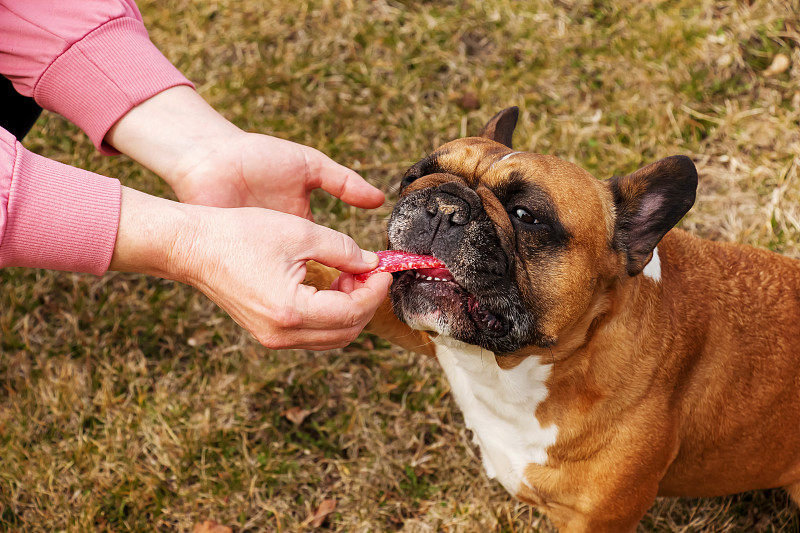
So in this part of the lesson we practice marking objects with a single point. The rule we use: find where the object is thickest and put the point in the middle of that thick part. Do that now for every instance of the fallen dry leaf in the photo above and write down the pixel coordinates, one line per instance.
(325, 508)
(296, 415)
(209, 526)
(779, 64)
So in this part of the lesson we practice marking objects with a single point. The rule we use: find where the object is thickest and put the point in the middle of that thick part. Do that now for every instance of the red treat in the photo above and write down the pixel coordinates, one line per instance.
(397, 260)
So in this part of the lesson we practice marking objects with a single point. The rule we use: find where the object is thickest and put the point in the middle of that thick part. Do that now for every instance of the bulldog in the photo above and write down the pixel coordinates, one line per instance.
(600, 357)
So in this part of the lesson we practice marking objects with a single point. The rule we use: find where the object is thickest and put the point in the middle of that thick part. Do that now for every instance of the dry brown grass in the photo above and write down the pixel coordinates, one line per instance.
(130, 404)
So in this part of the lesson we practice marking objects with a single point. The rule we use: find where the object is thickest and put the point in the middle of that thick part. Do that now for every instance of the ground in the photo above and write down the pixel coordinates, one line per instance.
(128, 403)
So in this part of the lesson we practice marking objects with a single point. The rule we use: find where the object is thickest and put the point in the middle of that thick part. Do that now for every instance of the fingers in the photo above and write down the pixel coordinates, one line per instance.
(331, 319)
(342, 310)
(313, 339)
(346, 283)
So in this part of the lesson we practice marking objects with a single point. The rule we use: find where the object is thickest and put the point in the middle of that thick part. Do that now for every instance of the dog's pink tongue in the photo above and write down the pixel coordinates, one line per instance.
(397, 260)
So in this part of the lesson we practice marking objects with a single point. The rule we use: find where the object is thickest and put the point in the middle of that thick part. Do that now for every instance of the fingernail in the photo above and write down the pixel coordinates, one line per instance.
(369, 257)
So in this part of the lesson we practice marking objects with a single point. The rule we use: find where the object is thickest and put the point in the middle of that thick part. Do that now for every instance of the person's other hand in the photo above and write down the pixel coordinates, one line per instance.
(251, 262)
(209, 161)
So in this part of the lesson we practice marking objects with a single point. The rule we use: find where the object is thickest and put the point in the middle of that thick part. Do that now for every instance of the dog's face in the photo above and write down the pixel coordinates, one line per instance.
(527, 238)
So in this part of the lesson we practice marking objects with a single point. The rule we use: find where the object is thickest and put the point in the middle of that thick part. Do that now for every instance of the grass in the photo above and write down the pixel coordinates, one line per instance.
(129, 403)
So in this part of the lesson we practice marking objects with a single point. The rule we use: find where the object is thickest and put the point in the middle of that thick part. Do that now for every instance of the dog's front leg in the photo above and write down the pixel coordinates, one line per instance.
(599, 495)
(618, 517)
(583, 525)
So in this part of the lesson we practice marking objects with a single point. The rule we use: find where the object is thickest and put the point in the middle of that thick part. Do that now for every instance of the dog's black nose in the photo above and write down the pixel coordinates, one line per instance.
(454, 202)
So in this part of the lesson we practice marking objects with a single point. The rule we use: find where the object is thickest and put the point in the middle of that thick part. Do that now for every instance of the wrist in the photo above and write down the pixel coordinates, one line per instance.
(170, 132)
(155, 237)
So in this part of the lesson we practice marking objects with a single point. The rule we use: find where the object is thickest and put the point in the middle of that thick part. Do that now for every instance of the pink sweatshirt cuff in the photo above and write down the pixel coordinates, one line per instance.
(58, 217)
(104, 75)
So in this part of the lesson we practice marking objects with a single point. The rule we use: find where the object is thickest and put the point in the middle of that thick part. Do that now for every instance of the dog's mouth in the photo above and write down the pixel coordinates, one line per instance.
(431, 279)
(444, 289)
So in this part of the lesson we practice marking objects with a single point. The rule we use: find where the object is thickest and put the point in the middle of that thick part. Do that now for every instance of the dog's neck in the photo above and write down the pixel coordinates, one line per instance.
(499, 407)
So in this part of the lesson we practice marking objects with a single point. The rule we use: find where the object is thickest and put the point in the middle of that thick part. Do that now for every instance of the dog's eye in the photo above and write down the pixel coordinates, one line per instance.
(525, 216)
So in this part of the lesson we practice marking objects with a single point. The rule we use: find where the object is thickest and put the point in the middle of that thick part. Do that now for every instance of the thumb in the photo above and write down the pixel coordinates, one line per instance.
(339, 251)
(347, 185)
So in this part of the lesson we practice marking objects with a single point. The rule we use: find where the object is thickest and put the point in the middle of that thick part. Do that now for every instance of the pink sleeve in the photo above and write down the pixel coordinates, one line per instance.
(53, 215)
(90, 61)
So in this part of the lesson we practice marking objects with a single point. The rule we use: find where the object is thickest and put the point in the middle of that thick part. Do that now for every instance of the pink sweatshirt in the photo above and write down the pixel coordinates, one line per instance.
(90, 61)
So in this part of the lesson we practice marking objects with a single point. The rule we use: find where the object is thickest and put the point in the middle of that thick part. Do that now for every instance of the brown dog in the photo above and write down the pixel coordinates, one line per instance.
(600, 357)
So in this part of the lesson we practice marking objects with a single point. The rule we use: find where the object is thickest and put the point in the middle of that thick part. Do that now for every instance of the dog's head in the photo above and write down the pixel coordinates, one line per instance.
(527, 238)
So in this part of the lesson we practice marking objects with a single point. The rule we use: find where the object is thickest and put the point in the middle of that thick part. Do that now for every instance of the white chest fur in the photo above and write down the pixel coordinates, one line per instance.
(499, 407)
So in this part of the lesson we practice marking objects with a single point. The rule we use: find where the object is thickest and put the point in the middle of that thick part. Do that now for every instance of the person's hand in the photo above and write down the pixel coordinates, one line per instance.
(256, 274)
(249, 169)
(251, 262)
(209, 161)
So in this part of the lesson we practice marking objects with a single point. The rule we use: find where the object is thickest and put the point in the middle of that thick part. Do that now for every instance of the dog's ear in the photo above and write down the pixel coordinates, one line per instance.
(500, 127)
(649, 203)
